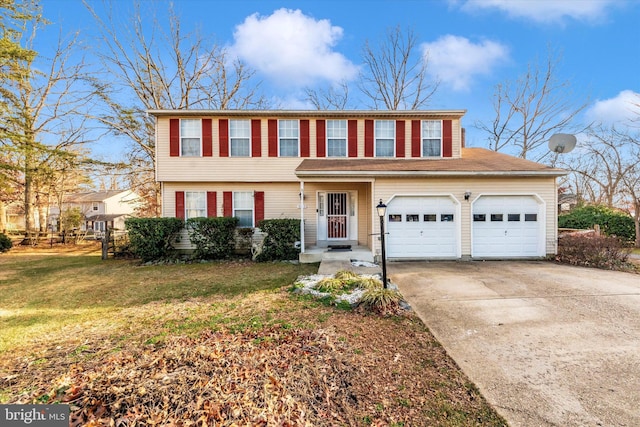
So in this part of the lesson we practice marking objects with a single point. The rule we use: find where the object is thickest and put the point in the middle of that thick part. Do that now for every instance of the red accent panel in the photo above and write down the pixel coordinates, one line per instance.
(415, 138)
(304, 138)
(256, 138)
(258, 200)
(212, 201)
(400, 135)
(180, 204)
(368, 138)
(223, 125)
(207, 142)
(447, 139)
(227, 203)
(321, 138)
(174, 137)
(352, 132)
(273, 138)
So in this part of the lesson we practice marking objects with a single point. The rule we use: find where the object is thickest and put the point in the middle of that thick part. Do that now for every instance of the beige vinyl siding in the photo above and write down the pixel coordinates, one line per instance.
(542, 187)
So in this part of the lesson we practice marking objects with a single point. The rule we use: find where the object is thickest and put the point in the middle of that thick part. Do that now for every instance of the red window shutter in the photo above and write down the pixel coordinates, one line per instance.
(352, 133)
(272, 126)
(415, 138)
(174, 137)
(180, 204)
(321, 139)
(447, 139)
(258, 211)
(368, 138)
(207, 142)
(304, 138)
(256, 138)
(227, 203)
(212, 201)
(400, 138)
(223, 125)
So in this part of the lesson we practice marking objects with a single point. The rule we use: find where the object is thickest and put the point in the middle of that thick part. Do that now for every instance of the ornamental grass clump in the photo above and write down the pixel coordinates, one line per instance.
(381, 300)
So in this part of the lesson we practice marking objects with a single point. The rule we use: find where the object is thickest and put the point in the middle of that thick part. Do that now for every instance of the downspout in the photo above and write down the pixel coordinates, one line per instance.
(302, 217)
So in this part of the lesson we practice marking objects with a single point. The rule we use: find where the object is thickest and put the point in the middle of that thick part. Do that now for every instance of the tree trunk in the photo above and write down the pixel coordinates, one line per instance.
(3, 217)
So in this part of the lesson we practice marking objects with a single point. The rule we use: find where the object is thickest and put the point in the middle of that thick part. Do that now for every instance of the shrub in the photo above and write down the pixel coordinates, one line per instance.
(282, 235)
(152, 238)
(606, 252)
(214, 238)
(611, 222)
(381, 300)
(5, 243)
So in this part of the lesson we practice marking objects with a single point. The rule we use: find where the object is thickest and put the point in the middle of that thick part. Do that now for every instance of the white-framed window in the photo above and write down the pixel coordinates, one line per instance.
(385, 140)
(288, 138)
(336, 138)
(195, 204)
(190, 137)
(431, 138)
(95, 206)
(240, 138)
(243, 208)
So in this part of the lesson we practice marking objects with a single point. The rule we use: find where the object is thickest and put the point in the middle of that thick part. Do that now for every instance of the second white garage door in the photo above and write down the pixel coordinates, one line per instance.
(507, 227)
(422, 227)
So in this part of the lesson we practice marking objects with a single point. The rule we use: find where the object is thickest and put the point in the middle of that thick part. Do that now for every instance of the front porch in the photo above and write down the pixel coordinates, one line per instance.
(319, 254)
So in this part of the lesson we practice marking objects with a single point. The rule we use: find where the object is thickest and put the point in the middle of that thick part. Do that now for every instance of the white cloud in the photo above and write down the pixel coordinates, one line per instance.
(544, 11)
(618, 110)
(456, 60)
(292, 48)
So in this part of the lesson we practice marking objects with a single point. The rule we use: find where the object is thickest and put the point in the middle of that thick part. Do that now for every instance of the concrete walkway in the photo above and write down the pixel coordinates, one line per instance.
(547, 344)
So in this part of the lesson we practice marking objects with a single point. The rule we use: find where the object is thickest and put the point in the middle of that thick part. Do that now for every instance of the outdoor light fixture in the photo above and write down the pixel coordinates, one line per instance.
(467, 195)
(382, 210)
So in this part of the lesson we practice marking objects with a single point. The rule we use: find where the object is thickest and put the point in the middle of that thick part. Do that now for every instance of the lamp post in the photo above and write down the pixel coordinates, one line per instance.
(382, 209)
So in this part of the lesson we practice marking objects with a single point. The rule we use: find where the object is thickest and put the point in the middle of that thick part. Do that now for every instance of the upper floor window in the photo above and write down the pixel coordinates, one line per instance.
(243, 208)
(95, 206)
(195, 204)
(288, 135)
(431, 138)
(385, 138)
(190, 134)
(336, 138)
(240, 138)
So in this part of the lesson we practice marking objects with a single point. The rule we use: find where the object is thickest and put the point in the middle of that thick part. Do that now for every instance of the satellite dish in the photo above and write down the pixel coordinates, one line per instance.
(562, 143)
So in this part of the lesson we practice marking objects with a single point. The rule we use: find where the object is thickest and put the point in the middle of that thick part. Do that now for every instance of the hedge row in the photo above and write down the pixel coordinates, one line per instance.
(611, 222)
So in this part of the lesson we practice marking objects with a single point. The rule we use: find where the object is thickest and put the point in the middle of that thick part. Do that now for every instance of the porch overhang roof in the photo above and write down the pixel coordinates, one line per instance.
(474, 162)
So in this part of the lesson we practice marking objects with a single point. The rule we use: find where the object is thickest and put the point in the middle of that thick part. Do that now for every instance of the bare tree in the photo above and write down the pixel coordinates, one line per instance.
(334, 98)
(395, 75)
(530, 110)
(41, 104)
(149, 68)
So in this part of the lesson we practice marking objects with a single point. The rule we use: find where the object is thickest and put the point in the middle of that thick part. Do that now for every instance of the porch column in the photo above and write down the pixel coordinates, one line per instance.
(301, 216)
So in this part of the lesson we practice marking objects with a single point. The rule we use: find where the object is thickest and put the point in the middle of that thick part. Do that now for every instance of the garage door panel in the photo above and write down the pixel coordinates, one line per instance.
(512, 233)
(418, 229)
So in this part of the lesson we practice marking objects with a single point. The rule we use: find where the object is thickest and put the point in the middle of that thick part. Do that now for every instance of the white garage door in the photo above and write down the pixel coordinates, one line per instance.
(507, 227)
(422, 227)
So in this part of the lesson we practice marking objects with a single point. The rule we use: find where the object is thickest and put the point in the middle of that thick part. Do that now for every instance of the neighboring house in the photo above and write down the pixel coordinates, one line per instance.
(566, 202)
(331, 169)
(100, 209)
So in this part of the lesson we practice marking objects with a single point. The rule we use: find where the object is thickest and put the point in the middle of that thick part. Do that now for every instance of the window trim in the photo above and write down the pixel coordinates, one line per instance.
(297, 121)
(203, 194)
(253, 208)
(345, 139)
(422, 139)
(375, 139)
(247, 137)
(181, 137)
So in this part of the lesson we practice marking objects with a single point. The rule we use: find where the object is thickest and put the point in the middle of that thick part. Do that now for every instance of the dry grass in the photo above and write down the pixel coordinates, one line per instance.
(215, 343)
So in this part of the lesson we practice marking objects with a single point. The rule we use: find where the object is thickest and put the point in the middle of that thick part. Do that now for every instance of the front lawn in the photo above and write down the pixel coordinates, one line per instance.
(222, 342)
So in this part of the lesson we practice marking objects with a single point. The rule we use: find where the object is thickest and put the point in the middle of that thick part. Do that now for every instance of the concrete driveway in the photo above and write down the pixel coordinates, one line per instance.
(547, 344)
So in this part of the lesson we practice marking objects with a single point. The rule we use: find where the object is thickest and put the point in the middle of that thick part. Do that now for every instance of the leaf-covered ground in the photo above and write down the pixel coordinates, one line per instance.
(268, 358)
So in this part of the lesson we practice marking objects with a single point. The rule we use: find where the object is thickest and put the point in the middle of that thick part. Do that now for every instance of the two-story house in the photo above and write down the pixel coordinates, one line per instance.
(100, 209)
(331, 168)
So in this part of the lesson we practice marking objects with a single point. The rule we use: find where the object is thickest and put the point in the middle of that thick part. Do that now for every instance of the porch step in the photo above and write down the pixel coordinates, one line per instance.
(359, 253)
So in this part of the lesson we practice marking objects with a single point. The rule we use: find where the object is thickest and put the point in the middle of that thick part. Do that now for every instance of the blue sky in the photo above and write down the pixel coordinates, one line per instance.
(472, 45)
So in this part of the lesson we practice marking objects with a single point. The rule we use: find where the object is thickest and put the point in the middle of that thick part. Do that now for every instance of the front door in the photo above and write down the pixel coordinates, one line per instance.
(337, 216)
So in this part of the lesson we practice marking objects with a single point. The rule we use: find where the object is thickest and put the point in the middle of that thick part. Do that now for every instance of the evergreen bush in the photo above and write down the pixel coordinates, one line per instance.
(214, 238)
(151, 239)
(611, 222)
(5, 243)
(280, 241)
